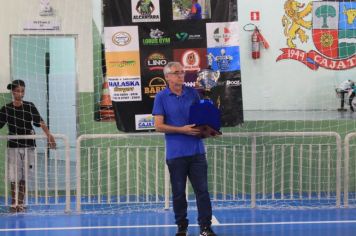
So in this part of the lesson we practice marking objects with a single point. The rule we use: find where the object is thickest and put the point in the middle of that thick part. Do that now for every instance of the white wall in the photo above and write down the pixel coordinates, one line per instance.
(97, 14)
(76, 19)
(288, 84)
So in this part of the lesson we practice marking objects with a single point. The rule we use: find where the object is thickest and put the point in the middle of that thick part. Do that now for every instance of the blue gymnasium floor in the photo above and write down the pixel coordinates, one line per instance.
(247, 222)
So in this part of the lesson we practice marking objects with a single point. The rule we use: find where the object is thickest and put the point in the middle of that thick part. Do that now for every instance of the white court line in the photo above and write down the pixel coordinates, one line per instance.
(170, 226)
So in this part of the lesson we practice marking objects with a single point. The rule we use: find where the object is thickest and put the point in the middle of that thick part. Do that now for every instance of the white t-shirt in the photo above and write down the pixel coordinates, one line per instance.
(345, 85)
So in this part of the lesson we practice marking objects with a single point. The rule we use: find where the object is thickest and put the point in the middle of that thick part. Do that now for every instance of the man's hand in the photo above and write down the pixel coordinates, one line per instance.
(51, 142)
(190, 130)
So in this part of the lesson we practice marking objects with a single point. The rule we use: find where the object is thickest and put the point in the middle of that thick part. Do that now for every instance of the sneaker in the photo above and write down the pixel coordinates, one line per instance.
(207, 231)
(21, 208)
(13, 209)
(182, 230)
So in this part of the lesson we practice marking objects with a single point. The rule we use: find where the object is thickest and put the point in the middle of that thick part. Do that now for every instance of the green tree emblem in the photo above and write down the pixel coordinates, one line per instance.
(324, 12)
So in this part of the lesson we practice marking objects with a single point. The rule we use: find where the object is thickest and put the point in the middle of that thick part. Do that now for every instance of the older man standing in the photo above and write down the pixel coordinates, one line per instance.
(185, 152)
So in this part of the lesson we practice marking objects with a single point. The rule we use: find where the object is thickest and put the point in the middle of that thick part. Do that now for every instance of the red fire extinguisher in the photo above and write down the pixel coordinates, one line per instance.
(256, 47)
(256, 40)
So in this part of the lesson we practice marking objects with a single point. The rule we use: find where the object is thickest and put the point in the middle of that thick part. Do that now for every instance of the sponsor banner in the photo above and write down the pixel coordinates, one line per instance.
(190, 79)
(154, 85)
(314, 60)
(232, 83)
(183, 36)
(186, 10)
(121, 38)
(227, 96)
(145, 11)
(142, 36)
(224, 59)
(194, 35)
(155, 61)
(125, 89)
(225, 34)
(154, 36)
(144, 122)
(122, 63)
(192, 59)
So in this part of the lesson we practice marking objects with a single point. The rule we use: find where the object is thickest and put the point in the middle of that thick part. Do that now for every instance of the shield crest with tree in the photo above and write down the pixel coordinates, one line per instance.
(334, 36)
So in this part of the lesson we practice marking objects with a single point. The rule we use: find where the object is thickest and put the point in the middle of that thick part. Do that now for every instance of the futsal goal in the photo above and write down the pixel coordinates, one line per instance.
(48, 180)
(127, 172)
(267, 169)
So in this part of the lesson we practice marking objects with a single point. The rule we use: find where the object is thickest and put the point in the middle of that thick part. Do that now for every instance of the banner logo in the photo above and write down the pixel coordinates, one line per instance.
(122, 63)
(156, 61)
(188, 10)
(224, 59)
(222, 35)
(145, 11)
(191, 60)
(333, 29)
(156, 38)
(144, 122)
(125, 89)
(182, 36)
(121, 38)
(233, 83)
(155, 85)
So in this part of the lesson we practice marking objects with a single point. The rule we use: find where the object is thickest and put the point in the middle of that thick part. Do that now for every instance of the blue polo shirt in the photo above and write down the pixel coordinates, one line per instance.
(175, 110)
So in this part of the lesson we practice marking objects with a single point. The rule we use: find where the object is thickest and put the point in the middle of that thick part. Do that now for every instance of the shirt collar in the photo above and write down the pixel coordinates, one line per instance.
(184, 91)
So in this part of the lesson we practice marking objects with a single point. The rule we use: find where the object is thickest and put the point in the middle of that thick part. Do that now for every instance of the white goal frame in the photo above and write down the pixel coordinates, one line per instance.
(252, 135)
(65, 140)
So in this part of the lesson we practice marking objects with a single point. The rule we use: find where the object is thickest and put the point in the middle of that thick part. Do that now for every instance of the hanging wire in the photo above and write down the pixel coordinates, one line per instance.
(250, 27)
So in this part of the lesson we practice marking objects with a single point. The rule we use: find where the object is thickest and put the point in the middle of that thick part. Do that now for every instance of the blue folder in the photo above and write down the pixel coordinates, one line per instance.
(206, 117)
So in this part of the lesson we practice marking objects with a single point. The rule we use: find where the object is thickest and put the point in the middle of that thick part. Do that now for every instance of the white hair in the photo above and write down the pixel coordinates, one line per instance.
(167, 68)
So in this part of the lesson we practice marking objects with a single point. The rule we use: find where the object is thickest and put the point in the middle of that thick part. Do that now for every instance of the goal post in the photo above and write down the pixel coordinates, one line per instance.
(38, 190)
(255, 169)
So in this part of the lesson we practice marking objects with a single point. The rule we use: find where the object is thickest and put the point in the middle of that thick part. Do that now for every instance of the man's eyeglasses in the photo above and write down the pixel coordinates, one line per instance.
(177, 73)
